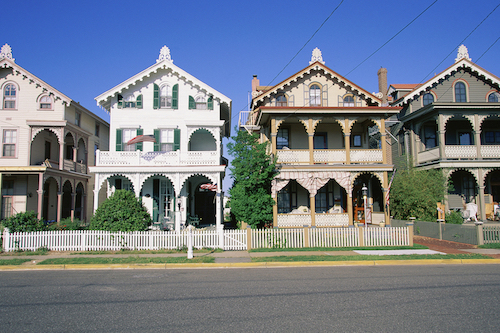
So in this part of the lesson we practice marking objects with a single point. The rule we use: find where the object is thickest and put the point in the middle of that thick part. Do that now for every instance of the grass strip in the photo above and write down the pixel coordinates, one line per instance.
(127, 260)
(16, 261)
(164, 251)
(415, 247)
(490, 246)
(370, 257)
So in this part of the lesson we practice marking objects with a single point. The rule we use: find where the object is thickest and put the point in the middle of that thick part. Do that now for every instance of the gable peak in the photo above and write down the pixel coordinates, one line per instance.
(462, 53)
(164, 55)
(6, 52)
(316, 56)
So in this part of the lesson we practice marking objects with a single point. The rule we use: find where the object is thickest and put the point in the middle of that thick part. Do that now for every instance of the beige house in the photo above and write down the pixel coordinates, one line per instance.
(329, 137)
(451, 123)
(48, 142)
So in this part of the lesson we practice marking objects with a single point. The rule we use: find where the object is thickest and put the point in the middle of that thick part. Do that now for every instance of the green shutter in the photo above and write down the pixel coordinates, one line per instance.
(175, 97)
(138, 102)
(177, 139)
(120, 101)
(210, 103)
(157, 138)
(156, 96)
(192, 103)
(138, 145)
(119, 140)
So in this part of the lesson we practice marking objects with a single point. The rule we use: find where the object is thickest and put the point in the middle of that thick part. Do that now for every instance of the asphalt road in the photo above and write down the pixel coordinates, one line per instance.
(447, 298)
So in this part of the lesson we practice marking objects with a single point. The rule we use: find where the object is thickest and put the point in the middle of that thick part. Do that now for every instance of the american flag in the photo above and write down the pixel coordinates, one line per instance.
(389, 189)
(141, 138)
(208, 186)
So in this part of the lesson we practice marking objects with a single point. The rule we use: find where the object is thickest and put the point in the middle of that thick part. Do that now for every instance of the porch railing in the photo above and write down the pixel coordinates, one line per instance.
(139, 158)
(301, 156)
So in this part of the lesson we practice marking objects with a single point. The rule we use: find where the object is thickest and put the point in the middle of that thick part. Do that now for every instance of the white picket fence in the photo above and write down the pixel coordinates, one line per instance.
(96, 240)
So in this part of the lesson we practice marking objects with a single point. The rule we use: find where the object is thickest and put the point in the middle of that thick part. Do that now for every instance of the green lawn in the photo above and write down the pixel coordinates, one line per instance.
(127, 260)
(490, 246)
(369, 257)
(16, 261)
(414, 247)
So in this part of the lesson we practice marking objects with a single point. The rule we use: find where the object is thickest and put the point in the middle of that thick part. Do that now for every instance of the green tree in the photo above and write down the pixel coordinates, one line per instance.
(252, 171)
(24, 222)
(416, 193)
(122, 211)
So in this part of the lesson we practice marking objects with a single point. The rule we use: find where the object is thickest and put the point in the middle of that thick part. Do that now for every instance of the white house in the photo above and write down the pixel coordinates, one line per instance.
(48, 140)
(181, 122)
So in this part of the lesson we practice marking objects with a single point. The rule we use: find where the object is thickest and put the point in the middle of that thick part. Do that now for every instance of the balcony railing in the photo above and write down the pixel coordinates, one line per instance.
(136, 158)
(457, 152)
(321, 220)
(74, 166)
(329, 156)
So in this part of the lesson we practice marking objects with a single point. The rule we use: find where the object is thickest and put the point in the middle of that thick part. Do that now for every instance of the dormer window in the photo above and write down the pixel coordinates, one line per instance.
(349, 100)
(9, 97)
(281, 100)
(428, 99)
(314, 95)
(460, 92)
(46, 103)
(200, 103)
(493, 97)
(129, 101)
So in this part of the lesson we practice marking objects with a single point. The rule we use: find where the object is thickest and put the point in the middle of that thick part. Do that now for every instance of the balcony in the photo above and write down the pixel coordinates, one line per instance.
(457, 152)
(329, 156)
(173, 158)
(321, 219)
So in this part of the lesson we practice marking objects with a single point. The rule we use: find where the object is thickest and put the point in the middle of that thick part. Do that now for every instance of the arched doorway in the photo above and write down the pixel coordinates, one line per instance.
(375, 198)
(49, 200)
(67, 200)
(79, 203)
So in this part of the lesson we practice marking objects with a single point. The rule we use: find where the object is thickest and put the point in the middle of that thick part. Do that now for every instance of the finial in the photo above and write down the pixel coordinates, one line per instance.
(6, 52)
(316, 56)
(164, 54)
(462, 53)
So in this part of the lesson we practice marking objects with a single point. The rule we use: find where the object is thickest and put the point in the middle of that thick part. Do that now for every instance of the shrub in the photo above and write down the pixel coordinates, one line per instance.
(454, 217)
(122, 211)
(24, 222)
(66, 224)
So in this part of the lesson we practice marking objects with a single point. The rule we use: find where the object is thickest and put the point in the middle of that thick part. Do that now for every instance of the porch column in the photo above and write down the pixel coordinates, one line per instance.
(477, 136)
(442, 132)
(218, 220)
(73, 199)
(75, 153)
(312, 202)
(96, 200)
(61, 155)
(347, 142)
(310, 132)
(414, 143)
(274, 133)
(385, 188)
(59, 206)
(275, 212)
(382, 141)
(40, 195)
(349, 207)
(482, 208)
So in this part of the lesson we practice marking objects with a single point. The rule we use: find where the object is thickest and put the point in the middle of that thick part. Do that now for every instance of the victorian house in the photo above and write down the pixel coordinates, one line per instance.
(451, 123)
(329, 137)
(166, 144)
(48, 142)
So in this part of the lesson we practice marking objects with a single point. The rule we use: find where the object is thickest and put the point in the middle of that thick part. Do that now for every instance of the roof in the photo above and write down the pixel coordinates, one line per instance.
(317, 65)
(104, 99)
(462, 63)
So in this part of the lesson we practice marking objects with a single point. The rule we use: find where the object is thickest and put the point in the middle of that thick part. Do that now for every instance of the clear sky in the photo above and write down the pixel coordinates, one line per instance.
(84, 48)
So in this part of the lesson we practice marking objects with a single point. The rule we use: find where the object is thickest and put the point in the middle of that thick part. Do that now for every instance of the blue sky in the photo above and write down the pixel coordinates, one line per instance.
(84, 48)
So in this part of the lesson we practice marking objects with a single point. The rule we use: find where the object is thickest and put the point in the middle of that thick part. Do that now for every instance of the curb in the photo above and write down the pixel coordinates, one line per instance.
(253, 264)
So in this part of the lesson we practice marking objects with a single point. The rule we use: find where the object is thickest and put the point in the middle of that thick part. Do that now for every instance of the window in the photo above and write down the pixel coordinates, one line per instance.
(460, 92)
(9, 141)
(430, 137)
(47, 150)
(314, 95)
(492, 137)
(166, 140)
(9, 97)
(78, 117)
(356, 140)
(349, 100)
(7, 195)
(46, 103)
(165, 97)
(287, 198)
(127, 135)
(493, 97)
(428, 99)
(320, 141)
(97, 129)
(464, 138)
(130, 101)
(281, 100)
(201, 104)
(282, 138)
(324, 198)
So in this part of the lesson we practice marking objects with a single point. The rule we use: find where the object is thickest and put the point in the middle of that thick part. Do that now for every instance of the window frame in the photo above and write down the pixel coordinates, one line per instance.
(428, 94)
(496, 95)
(13, 145)
(281, 100)
(281, 130)
(315, 100)
(344, 103)
(42, 104)
(78, 119)
(460, 94)
(427, 139)
(167, 97)
(8, 98)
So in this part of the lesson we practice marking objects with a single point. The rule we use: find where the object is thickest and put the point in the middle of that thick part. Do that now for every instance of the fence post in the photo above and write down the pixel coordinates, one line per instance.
(6, 236)
(249, 238)
(479, 231)
(409, 225)
(220, 231)
(306, 236)
(361, 236)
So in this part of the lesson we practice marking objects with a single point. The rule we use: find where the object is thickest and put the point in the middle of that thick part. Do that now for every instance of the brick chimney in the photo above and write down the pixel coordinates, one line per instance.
(255, 83)
(382, 84)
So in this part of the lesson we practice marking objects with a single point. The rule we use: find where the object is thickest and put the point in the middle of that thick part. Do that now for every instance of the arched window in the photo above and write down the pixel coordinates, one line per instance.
(493, 97)
(45, 103)
(201, 104)
(428, 99)
(460, 92)
(315, 95)
(348, 100)
(165, 97)
(281, 100)
(9, 97)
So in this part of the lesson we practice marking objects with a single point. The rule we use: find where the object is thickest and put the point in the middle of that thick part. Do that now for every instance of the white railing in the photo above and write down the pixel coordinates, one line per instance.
(490, 151)
(332, 220)
(97, 240)
(366, 155)
(294, 220)
(428, 155)
(329, 156)
(293, 156)
(139, 158)
(277, 238)
(460, 152)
